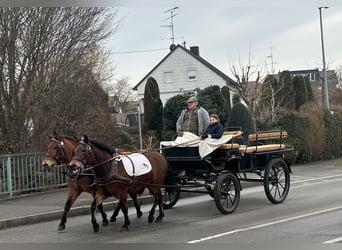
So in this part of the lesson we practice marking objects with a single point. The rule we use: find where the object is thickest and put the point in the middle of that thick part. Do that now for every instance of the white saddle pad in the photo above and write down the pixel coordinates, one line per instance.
(136, 164)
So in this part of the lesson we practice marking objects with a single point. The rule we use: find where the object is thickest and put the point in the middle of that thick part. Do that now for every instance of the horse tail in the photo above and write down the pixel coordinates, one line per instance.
(170, 180)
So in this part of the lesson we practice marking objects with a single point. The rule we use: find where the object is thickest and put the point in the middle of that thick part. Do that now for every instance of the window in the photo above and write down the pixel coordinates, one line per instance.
(192, 75)
(168, 77)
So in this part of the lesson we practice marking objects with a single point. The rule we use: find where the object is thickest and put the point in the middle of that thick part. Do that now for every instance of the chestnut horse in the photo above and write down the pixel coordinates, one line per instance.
(98, 155)
(58, 153)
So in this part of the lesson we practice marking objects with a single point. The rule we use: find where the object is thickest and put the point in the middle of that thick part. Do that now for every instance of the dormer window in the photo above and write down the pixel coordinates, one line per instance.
(192, 75)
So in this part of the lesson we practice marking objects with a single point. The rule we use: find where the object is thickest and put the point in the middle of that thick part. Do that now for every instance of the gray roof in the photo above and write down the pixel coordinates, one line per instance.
(201, 59)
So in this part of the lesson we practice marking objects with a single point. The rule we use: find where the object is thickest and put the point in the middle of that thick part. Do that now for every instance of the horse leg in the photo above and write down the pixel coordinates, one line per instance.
(103, 214)
(100, 207)
(115, 213)
(134, 197)
(161, 209)
(124, 209)
(99, 197)
(136, 205)
(157, 201)
(96, 226)
(151, 213)
(68, 204)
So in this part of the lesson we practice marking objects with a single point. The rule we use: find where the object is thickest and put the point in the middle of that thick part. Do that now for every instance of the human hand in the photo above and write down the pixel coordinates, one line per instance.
(180, 133)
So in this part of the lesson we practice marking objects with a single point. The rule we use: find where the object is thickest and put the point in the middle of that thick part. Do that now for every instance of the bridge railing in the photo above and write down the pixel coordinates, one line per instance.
(21, 173)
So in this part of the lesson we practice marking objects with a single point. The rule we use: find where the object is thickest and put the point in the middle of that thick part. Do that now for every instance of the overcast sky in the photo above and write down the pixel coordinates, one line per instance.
(226, 30)
(287, 31)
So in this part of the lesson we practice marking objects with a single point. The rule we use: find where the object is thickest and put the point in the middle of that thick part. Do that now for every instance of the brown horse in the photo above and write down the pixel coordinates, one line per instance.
(59, 152)
(89, 152)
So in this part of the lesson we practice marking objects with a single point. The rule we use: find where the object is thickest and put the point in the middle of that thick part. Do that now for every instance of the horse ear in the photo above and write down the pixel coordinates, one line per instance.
(50, 136)
(85, 138)
(55, 134)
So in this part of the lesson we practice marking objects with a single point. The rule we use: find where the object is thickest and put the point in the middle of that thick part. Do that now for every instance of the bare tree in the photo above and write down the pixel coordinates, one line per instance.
(48, 56)
(122, 93)
(248, 78)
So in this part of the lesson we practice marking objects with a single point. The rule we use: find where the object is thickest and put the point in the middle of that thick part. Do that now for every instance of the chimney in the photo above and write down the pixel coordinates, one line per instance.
(172, 47)
(195, 50)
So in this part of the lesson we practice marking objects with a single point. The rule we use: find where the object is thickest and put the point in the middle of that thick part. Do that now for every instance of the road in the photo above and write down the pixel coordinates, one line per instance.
(311, 213)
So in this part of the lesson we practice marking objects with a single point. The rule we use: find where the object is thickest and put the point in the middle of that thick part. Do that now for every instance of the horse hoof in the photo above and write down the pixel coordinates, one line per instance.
(150, 219)
(139, 214)
(112, 219)
(61, 227)
(105, 223)
(96, 228)
(123, 228)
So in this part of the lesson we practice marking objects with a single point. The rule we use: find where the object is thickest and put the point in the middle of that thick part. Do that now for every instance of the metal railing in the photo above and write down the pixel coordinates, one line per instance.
(21, 173)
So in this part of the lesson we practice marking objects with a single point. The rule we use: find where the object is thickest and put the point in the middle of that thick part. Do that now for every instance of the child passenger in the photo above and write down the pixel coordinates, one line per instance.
(215, 129)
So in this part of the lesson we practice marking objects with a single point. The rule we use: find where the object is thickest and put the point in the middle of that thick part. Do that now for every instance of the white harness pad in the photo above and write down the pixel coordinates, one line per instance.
(136, 164)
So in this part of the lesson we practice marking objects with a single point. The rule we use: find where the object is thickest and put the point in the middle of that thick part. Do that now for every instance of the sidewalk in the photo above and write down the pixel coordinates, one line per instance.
(45, 206)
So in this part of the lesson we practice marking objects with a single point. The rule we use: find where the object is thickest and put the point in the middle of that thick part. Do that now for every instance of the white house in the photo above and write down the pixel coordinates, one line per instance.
(182, 71)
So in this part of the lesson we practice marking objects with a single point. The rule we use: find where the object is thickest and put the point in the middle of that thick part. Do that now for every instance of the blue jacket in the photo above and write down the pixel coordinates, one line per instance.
(215, 129)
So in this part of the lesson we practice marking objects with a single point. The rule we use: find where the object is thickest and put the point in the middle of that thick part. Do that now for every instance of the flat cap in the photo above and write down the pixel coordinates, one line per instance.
(192, 99)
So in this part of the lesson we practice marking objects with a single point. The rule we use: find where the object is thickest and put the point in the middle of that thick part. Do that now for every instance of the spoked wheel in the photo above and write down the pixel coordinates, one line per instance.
(170, 197)
(277, 180)
(227, 193)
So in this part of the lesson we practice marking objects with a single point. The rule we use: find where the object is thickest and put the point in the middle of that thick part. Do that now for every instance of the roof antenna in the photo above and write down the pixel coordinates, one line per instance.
(173, 12)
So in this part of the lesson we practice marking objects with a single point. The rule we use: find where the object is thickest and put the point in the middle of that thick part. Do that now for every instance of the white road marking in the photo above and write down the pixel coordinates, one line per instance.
(334, 240)
(264, 225)
(317, 178)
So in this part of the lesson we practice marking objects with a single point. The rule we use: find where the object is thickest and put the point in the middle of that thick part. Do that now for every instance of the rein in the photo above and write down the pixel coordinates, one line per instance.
(101, 163)
(174, 146)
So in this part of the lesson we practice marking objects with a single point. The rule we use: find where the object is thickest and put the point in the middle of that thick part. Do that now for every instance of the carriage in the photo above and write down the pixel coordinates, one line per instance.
(180, 168)
(260, 158)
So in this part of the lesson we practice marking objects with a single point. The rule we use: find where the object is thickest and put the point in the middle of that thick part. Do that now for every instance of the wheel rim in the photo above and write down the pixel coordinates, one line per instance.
(169, 199)
(228, 195)
(277, 182)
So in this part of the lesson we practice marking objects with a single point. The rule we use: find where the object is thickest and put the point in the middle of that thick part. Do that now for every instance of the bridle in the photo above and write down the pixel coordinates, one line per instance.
(60, 148)
(86, 164)
(88, 151)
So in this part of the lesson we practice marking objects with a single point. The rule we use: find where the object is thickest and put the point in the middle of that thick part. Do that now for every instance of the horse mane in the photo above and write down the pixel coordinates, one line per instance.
(69, 137)
(103, 147)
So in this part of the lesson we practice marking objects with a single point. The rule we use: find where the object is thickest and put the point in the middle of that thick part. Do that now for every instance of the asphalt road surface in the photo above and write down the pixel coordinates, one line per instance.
(311, 213)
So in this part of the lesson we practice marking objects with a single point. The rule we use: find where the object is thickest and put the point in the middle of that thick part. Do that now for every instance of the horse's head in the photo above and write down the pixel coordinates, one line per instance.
(58, 151)
(83, 156)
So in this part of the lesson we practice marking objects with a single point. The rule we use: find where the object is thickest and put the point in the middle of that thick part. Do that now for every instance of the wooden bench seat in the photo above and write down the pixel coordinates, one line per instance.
(260, 148)
(230, 146)
(235, 134)
(267, 135)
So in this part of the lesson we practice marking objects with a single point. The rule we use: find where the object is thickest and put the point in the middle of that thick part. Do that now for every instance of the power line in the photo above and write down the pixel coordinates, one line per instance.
(136, 51)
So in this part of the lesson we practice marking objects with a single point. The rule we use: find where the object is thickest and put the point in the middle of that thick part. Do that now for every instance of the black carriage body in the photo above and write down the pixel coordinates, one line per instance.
(188, 159)
(222, 171)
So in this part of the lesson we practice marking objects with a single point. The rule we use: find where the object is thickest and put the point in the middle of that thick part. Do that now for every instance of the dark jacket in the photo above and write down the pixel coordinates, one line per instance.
(215, 129)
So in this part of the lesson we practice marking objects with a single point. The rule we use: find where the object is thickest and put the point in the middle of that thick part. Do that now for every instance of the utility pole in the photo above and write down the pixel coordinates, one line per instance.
(325, 78)
(139, 124)
(173, 13)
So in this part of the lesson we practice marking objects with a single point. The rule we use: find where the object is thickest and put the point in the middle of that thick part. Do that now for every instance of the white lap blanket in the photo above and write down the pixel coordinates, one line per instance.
(188, 139)
(205, 147)
(209, 144)
(136, 164)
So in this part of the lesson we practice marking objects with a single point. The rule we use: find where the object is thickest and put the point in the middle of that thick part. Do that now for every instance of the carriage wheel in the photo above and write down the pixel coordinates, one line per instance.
(277, 180)
(227, 193)
(170, 197)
